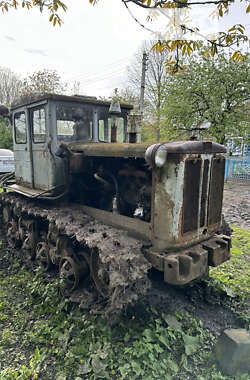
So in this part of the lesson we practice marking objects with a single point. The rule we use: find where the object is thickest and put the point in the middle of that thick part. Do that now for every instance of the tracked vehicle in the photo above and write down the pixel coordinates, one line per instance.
(88, 200)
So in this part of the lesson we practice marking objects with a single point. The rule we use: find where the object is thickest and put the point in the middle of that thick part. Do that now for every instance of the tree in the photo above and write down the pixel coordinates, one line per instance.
(10, 85)
(156, 82)
(6, 141)
(182, 42)
(216, 91)
(45, 81)
(180, 45)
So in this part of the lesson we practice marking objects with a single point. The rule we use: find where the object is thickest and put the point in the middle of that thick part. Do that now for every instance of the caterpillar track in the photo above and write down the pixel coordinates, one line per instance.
(100, 267)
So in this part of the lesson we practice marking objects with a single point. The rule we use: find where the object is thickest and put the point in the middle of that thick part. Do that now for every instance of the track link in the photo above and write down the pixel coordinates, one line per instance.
(101, 267)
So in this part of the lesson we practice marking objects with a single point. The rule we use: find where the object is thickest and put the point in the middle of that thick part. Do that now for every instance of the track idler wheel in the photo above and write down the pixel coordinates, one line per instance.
(42, 256)
(101, 283)
(31, 238)
(69, 273)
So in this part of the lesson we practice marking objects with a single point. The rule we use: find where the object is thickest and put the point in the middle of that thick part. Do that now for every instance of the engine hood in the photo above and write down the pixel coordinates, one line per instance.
(138, 150)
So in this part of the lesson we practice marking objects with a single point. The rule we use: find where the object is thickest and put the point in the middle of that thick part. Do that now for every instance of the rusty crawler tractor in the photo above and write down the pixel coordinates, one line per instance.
(87, 199)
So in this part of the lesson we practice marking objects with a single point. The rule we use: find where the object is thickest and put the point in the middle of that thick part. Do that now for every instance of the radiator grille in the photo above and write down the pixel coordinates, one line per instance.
(204, 193)
(216, 191)
(191, 195)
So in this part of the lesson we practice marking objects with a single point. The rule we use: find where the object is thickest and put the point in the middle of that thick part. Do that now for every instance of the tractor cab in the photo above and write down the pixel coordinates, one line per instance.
(41, 123)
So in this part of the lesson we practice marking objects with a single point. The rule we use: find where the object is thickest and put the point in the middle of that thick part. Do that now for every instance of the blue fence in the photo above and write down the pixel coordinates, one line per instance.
(238, 169)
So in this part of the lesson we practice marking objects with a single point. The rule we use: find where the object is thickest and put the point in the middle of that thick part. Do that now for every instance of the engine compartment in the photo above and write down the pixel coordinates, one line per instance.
(118, 185)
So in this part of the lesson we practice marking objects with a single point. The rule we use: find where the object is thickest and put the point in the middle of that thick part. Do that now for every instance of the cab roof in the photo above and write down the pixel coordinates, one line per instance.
(37, 97)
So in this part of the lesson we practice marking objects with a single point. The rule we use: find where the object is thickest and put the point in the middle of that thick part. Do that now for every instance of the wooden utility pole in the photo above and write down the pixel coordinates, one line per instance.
(143, 74)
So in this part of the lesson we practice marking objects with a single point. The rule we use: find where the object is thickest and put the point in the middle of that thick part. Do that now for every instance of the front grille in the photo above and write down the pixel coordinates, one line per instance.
(204, 193)
(202, 202)
(216, 191)
(191, 195)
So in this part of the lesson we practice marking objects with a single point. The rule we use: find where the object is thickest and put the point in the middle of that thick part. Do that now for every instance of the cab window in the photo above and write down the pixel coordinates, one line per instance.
(38, 125)
(74, 122)
(105, 130)
(20, 128)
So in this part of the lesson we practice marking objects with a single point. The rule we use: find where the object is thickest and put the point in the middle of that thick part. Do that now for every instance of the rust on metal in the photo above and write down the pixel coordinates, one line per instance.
(218, 249)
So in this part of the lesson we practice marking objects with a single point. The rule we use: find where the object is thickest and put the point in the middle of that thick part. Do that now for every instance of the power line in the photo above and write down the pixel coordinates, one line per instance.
(103, 77)
(105, 68)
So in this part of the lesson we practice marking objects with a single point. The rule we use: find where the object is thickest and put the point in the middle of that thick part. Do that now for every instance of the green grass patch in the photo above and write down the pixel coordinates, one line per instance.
(234, 275)
(42, 336)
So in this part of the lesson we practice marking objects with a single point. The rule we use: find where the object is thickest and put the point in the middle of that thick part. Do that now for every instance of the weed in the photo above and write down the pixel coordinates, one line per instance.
(41, 337)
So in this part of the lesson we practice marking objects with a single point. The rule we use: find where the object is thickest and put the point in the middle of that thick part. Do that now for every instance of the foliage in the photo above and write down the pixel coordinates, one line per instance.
(44, 337)
(53, 6)
(216, 91)
(177, 47)
(183, 45)
(45, 81)
(124, 95)
(167, 132)
(234, 275)
(10, 85)
(156, 82)
(6, 140)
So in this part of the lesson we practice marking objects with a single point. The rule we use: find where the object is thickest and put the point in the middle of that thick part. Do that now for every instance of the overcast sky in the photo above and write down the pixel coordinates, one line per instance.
(93, 46)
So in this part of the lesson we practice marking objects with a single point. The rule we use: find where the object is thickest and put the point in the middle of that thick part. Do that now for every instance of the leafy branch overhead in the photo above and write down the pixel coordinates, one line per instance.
(54, 7)
(179, 47)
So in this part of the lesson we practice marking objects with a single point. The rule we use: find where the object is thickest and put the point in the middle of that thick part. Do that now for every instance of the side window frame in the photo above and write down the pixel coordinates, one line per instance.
(15, 128)
(41, 107)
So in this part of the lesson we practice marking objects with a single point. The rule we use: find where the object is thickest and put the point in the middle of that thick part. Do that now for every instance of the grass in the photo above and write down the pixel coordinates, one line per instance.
(44, 337)
(233, 277)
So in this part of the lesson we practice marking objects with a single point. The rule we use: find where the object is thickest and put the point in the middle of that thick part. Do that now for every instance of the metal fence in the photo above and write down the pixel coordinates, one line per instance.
(238, 169)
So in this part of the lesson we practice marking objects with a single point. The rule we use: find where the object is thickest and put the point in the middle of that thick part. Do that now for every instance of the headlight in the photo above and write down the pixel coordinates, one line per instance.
(161, 156)
(156, 155)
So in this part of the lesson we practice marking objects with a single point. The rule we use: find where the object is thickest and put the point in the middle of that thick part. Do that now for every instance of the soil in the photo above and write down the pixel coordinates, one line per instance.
(198, 299)
(236, 205)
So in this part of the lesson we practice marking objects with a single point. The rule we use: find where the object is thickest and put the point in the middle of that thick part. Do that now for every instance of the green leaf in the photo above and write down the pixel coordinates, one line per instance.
(149, 335)
(84, 368)
(163, 339)
(173, 366)
(191, 344)
(98, 365)
(172, 322)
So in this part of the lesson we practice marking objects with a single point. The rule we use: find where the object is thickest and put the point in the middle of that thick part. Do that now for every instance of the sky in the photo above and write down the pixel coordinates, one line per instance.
(95, 43)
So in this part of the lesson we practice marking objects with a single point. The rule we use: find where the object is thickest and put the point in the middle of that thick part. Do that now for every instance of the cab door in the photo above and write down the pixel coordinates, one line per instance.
(22, 149)
(43, 165)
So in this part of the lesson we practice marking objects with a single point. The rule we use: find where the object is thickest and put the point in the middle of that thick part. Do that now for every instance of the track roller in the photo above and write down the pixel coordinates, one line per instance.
(71, 271)
(42, 256)
(13, 235)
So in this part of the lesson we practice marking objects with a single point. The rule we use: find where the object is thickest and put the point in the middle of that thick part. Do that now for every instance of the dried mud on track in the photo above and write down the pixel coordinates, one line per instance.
(236, 205)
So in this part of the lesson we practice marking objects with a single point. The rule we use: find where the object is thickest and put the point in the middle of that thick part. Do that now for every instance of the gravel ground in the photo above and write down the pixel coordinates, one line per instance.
(236, 205)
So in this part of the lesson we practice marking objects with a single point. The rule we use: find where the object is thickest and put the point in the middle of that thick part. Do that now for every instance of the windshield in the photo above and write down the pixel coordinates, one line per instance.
(74, 122)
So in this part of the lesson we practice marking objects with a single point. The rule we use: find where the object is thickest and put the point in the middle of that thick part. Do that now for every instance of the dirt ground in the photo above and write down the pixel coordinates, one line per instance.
(236, 204)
